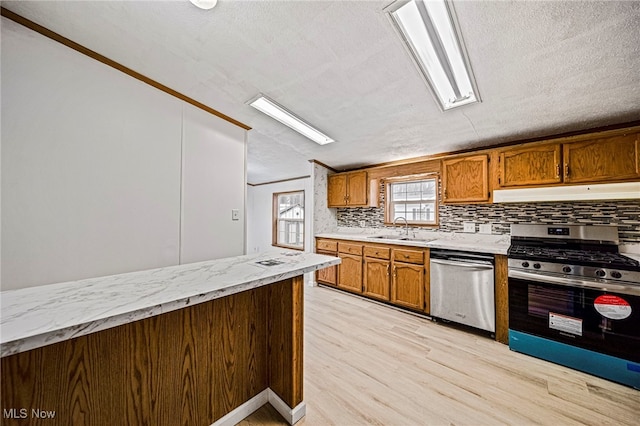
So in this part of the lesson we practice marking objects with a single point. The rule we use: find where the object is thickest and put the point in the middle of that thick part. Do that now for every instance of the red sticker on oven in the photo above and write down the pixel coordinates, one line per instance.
(612, 307)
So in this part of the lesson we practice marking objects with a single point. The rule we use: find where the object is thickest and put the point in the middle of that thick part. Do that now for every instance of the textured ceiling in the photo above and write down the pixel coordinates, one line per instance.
(541, 68)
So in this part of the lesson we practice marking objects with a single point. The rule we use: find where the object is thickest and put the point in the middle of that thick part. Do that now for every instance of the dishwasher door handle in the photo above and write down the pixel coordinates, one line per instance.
(483, 265)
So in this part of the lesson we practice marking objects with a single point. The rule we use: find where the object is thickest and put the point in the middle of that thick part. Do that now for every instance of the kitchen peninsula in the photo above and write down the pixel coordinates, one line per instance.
(186, 344)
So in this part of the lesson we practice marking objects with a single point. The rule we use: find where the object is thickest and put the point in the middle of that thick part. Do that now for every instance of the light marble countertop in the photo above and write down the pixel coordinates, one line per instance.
(38, 316)
(634, 256)
(630, 250)
(479, 243)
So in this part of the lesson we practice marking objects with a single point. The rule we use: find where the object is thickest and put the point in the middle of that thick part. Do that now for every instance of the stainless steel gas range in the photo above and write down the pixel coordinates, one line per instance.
(575, 300)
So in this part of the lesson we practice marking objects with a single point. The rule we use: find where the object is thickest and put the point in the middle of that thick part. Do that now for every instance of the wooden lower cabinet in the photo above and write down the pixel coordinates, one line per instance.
(350, 272)
(328, 275)
(407, 285)
(399, 275)
(376, 278)
(393, 274)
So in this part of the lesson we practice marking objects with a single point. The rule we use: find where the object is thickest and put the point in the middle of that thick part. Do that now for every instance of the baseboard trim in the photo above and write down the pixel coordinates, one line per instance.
(292, 416)
(243, 411)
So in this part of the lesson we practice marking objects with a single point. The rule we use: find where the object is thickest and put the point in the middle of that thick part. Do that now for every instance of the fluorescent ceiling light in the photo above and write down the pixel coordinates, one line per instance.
(273, 110)
(429, 31)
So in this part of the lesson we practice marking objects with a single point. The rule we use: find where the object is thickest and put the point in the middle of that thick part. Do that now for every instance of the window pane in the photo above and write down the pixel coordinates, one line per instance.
(289, 208)
(413, 200)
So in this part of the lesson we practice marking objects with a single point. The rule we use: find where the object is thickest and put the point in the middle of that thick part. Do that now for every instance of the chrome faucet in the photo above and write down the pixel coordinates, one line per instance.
(406, 224)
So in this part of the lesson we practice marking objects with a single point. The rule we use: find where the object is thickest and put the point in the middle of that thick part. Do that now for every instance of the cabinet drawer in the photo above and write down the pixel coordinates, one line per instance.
(350, 248)
(377, 252)
(409, 256)
(328, 245)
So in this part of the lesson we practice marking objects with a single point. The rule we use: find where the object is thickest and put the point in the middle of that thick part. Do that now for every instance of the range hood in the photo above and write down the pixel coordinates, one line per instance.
(609, 191)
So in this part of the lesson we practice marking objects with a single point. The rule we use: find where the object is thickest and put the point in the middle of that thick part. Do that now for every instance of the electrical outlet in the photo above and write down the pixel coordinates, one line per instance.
(469, 226)
(485, 228)
(235, 214)
(363, 224)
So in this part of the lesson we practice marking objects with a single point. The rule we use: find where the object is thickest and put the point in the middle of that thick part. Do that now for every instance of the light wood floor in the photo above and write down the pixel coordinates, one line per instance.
(367, 364)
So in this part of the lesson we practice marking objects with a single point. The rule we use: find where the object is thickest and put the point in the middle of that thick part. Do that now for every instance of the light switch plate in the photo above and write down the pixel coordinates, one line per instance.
(469, 226)
(485, 228)
(235, 214)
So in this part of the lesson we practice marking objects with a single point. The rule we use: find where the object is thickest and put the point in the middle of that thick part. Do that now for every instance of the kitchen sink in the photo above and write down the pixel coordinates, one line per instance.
(422, 240)
(400, 238)
(389, 237)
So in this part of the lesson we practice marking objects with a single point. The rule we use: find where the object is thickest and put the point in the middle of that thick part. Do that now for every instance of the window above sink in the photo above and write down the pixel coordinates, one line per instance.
(413, 198)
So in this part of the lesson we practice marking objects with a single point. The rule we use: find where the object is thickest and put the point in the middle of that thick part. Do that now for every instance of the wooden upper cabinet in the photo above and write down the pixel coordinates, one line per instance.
(466, 179)
(337, 189)
(348, 189)
(606, 159)
(357, 189)
(530, 165)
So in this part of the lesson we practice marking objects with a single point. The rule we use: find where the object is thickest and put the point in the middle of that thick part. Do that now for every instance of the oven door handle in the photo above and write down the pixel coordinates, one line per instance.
(573, 282)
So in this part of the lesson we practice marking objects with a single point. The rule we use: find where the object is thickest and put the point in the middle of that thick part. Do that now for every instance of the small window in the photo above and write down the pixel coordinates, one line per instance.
(413, 198)
(288, 220)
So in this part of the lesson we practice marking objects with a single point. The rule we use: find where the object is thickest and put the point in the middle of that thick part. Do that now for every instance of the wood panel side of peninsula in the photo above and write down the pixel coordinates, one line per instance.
(186, 367)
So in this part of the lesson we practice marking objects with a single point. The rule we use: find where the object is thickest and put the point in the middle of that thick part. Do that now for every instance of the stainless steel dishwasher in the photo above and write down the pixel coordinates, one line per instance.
(462, 288)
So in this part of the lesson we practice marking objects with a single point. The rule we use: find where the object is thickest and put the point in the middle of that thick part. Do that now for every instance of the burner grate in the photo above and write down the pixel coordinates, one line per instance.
(571, 256)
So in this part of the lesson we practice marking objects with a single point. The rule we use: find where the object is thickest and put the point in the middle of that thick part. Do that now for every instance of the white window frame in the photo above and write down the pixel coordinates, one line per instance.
(298, 224)
(389, 202)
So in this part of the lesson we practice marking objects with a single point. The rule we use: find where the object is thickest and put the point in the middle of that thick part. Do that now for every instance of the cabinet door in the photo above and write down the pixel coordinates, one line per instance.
(536, 165)
(466, 179)
(597, 160)
(337, 190)
(376, 278)
(407, 287)
(350, 272)
(357, 190)
(327, 275)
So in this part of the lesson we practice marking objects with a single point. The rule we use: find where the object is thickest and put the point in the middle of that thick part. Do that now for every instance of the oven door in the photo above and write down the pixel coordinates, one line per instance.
(587, 316)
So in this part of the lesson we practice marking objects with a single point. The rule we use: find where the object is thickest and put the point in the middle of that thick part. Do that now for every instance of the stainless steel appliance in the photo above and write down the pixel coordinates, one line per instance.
(575, 300)
(461, 288)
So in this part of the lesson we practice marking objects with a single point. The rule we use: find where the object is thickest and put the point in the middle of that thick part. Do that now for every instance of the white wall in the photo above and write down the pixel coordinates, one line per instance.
(92, 168)
(260, 215)
(213, 185)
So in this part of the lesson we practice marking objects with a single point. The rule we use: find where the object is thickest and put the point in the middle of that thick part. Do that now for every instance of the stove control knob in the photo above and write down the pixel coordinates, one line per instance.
(536, 265)
(566, 269)
(525, 264)
(616, 274)
(600, 273)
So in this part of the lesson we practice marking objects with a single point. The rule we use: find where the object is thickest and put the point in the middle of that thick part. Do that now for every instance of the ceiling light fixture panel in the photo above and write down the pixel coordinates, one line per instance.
(286, 117)
(429, 31)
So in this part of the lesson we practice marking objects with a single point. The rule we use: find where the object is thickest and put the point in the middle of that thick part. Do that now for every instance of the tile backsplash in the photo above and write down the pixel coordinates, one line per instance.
(624, 214)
